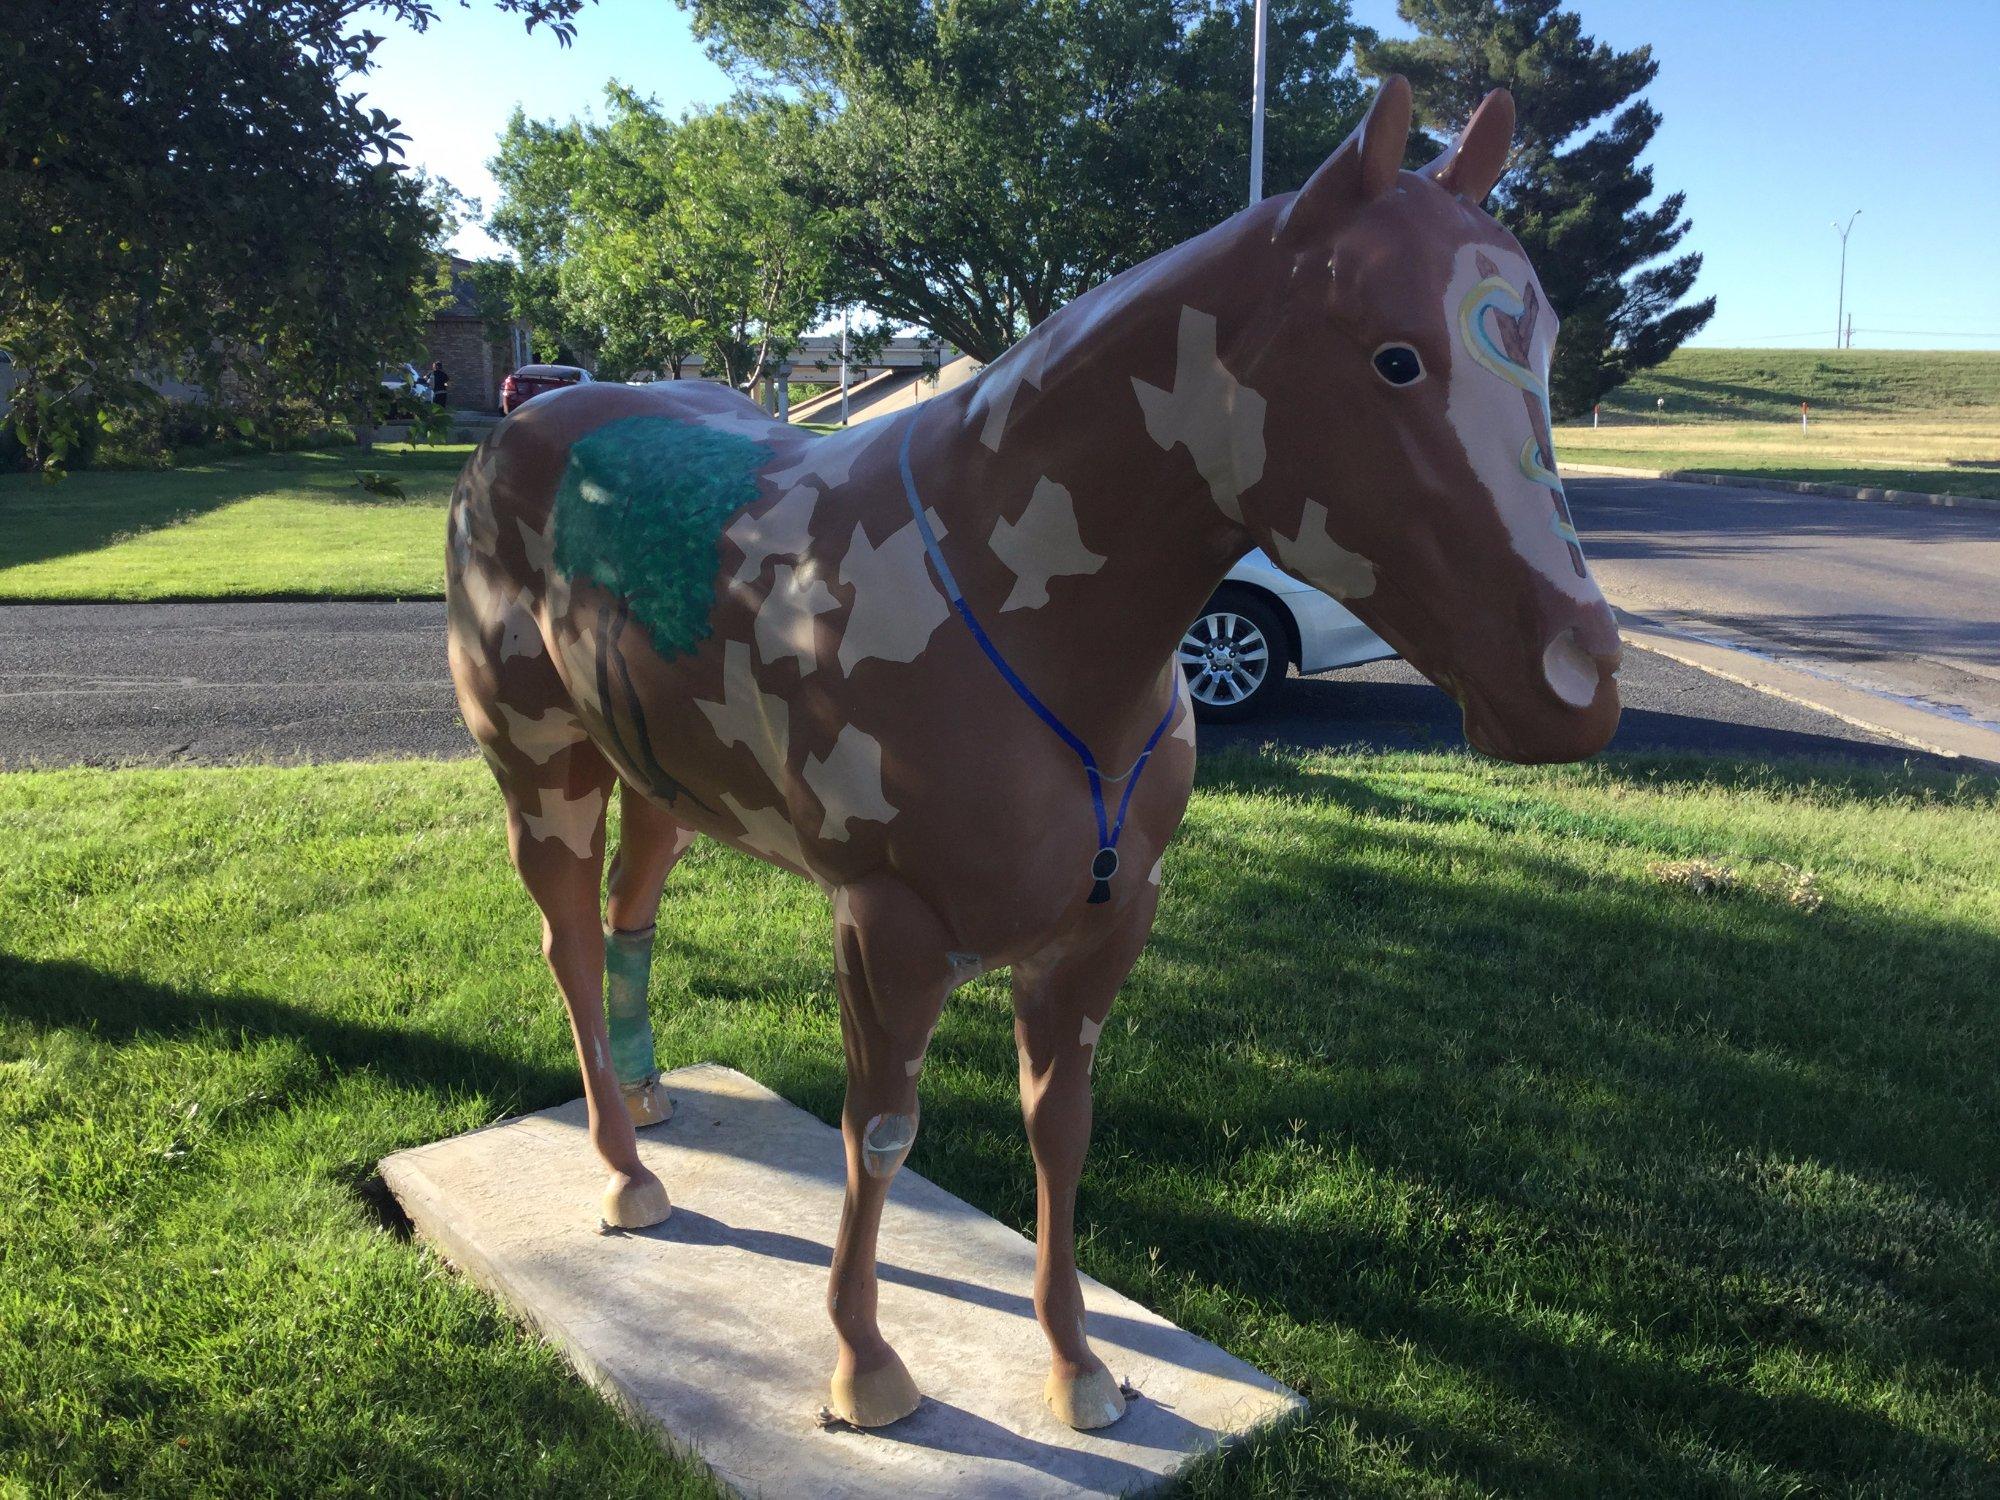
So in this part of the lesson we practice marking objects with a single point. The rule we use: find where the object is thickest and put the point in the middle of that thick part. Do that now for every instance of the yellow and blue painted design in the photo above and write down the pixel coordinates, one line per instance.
(1493, 294)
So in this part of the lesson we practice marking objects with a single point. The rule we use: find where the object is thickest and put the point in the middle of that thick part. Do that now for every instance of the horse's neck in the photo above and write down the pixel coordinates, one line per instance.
(1057, 435)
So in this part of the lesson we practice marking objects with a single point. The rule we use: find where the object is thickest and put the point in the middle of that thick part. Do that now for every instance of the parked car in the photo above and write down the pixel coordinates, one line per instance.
(407, 386)
(530, 381)
(1259, 622)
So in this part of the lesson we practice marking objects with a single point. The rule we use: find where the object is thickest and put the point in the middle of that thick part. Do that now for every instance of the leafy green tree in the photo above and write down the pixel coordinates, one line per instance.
(1575, 194)
(987, 160)
(645, 240)
(191, 188)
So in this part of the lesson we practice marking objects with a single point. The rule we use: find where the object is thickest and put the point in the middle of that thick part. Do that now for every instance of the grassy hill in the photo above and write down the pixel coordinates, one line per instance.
(1913, 419)
(1737, 385)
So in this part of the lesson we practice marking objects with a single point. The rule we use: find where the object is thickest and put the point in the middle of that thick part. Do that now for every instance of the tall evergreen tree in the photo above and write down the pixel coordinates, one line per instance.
(1575, 194)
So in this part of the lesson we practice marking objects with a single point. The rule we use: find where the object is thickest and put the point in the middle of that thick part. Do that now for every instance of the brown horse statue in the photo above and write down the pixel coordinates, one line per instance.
(930, 662)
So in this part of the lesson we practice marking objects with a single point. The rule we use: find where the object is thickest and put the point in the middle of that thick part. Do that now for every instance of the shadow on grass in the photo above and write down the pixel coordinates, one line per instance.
(90, 510)
(119, 1008)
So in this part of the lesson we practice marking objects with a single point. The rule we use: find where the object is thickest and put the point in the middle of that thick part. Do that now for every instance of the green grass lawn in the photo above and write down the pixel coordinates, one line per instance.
(1626, 1129)
(274, 526)
(1894, 418)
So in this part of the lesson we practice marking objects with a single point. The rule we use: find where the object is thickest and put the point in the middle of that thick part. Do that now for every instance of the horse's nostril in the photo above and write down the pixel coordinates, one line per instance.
(1574, 673)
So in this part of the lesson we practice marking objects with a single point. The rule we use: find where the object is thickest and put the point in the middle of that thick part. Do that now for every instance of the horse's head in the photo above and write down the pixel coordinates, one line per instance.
(1409, 466)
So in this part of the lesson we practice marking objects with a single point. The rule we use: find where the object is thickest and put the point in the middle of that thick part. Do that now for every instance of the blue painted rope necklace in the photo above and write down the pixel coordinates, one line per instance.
(1105, 863)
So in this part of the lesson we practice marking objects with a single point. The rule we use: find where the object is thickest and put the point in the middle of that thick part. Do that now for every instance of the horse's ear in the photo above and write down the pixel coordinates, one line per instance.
(1473, 163)
(1364, 167)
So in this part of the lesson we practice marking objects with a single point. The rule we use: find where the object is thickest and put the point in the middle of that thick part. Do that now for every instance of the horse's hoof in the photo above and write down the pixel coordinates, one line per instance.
(647, 1103)
(1085, 1401)
(875, 1398)
(635, 1202)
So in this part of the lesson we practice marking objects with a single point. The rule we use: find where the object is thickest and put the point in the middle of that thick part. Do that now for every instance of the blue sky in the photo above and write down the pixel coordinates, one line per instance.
(1779, 117)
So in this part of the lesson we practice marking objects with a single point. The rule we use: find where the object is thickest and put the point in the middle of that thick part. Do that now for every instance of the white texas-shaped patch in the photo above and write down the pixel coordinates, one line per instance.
(1087, 1036)
(749, 716)
(1316, 557)
(540, 736)
(785, 618)
(785, 530)
(541, 549)
(848, 782)
(766, 831)
(843, 916)
(897, 606)
(519, 634)
(994, 400)
(751, 422)
(1043, 544)
(572, 820)
(474, 531)
(831, 458)
(1220, 420)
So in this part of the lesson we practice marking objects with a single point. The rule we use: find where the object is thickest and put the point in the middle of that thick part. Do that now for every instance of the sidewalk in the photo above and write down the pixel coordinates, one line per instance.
(1784, 486)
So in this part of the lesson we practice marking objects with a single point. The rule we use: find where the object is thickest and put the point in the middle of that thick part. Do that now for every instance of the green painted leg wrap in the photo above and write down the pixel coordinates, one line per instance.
(628, 962)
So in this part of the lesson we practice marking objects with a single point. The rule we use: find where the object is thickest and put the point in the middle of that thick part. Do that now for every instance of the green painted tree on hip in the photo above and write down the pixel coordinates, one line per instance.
(646, 240)
(1580, 210)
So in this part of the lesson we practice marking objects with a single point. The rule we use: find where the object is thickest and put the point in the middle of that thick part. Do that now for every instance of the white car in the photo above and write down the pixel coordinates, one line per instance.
(1260, 621)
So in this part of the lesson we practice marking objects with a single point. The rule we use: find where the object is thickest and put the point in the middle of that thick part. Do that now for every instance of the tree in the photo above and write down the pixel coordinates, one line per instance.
(1575, 196)
(985, 161)
(192, 188)
(645, 239)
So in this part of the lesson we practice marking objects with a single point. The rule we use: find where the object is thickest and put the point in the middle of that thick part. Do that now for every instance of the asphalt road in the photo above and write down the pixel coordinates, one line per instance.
(1898, 599)
(211, 683)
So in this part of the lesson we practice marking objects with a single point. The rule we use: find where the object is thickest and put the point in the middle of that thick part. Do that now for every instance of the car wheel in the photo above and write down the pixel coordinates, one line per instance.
(1234, 659)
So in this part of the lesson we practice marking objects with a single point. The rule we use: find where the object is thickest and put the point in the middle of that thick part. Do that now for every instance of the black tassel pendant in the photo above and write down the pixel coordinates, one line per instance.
(1102, 869)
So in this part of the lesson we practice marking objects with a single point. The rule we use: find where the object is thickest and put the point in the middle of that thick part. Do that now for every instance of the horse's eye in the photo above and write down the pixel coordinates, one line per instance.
(1398, 364)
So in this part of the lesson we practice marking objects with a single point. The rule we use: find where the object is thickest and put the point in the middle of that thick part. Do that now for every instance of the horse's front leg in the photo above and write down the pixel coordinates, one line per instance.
(1060, 1005)
(890, 953)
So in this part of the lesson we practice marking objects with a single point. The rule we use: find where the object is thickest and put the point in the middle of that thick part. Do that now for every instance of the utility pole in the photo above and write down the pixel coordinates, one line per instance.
(843, 367)
(1850, 330)
(1840, 307)
(1257, 103)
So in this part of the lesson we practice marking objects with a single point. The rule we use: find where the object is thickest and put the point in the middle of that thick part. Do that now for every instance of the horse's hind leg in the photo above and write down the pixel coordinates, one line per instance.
(650, 841)
(555, 831)
(894, 970)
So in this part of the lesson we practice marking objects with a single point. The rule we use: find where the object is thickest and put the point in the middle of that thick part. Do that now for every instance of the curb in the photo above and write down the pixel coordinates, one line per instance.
(1898, 720)
(1786, 486)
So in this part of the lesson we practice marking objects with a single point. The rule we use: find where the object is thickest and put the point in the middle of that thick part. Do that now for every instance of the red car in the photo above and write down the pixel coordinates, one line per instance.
(530, 381)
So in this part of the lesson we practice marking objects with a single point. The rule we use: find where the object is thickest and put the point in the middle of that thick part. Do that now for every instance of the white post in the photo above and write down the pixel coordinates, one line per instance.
(1257, 104)
(1594, 410)
(843, 367)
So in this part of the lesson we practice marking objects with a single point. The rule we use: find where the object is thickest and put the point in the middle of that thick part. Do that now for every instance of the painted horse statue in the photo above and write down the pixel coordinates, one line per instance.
(930, 662)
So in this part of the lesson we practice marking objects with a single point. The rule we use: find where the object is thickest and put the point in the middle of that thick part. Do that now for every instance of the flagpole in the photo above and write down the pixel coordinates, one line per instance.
(1257, 103)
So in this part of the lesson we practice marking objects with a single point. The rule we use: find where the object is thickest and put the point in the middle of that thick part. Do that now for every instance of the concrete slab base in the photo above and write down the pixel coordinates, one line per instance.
(712, 1326)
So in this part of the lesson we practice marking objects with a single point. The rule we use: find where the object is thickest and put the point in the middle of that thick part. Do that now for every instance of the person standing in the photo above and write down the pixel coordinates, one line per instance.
(440, 382)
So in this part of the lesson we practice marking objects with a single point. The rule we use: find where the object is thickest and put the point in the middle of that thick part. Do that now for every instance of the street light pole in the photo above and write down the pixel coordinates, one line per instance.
(1840, 307)
(1257, 103)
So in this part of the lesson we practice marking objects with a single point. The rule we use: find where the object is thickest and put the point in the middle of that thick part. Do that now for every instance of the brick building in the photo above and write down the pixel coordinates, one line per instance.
(475, 360)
